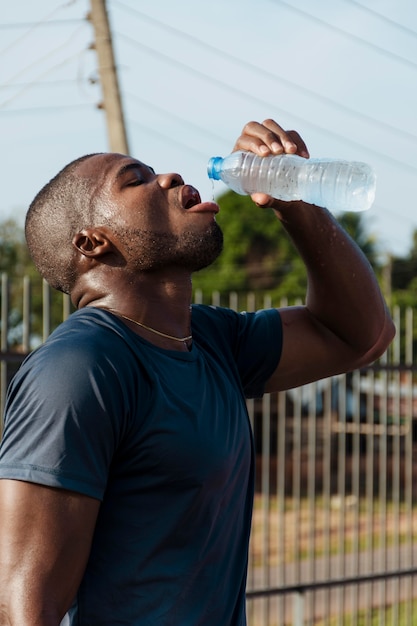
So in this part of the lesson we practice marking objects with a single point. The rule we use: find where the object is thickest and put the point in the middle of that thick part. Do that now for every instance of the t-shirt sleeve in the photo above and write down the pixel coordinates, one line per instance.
(251, 341)
(65, 414)
(258, 349)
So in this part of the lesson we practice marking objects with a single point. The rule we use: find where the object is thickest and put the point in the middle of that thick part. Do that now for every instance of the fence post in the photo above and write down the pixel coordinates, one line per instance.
(3, 342)
(298, 608)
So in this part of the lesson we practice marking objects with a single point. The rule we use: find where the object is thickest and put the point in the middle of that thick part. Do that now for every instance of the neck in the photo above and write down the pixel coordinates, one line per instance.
(159, 333)
(158, 310)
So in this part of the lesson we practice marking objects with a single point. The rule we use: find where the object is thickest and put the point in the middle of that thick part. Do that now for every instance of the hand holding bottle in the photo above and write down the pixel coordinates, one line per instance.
(267, 139)
(266, 168)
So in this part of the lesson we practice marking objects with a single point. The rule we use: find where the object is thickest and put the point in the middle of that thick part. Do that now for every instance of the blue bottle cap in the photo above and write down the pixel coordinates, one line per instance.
(214, 167)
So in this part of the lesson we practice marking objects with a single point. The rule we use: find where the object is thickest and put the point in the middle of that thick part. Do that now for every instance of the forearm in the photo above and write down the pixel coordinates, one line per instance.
(343, 293)
(14, 615)
(26, 596)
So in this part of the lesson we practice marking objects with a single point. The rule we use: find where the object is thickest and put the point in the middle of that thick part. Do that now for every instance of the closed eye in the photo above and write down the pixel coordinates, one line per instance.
(134, 174)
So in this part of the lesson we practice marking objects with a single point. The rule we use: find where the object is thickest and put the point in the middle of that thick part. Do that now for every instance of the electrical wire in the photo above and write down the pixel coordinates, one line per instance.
(153, 132)
(46, 83)
(313, 18)
(35, 81)
(47, 56)
(34, 26)
(173, 116)
(51, 53)
(239, 92)
(247, 65)
(45, 109)
(383, 18)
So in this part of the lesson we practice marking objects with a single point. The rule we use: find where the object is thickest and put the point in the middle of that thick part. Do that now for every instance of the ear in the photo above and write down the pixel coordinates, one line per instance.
(92, 242)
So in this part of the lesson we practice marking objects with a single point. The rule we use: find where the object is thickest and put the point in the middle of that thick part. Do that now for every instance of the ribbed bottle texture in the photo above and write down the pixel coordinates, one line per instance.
(336, 185)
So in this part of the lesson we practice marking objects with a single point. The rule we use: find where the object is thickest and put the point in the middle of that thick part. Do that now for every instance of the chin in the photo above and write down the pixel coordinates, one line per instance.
(206, 250)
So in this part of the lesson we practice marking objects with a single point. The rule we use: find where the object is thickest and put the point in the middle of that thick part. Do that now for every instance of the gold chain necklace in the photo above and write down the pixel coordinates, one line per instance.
(152, 330)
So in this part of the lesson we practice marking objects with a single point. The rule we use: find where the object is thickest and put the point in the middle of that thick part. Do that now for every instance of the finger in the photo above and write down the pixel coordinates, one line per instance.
(302, 149)
(266, 138)
(269, 138)
(262, 199)
(278, 139)
(255, 138)
(289, 139)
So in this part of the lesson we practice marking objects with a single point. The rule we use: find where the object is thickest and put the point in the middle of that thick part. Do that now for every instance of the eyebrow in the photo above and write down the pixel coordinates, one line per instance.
(132, 166)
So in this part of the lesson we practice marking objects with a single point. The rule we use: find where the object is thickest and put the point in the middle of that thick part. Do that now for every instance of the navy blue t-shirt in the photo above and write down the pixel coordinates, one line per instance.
(162, 438)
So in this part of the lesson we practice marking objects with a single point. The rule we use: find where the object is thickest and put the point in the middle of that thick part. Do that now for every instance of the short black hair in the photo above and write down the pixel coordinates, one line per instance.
(63, 207)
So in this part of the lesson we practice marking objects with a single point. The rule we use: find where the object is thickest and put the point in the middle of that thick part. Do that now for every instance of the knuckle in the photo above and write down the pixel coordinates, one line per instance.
(248, 127)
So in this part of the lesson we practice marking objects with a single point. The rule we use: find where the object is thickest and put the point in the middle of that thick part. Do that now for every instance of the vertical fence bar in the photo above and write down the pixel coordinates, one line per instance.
(26, 314)
(46, 310)
(395, 422)
(327, 438)
(252, 560)
(198, 296)
(296, 485)
(233, 301)
(298, 610)
(382, 495)
(341, 493)
(265, 502)
(66, 306)
(408, 461)
(281, 502)
(369, 490)
(311, 490)
(4, 343)
(354, 498)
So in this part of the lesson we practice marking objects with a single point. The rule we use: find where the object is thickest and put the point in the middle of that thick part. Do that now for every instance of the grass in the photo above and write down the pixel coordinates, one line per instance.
(293, 532)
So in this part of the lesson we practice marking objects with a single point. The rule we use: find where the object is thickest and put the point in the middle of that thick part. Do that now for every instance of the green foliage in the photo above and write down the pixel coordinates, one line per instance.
(14, 256)
(15, 262)
(353, 224)
(258, 255)
(404, 270)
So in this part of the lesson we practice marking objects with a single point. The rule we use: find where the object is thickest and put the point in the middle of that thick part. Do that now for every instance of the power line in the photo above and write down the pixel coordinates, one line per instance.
(35, 25)
(247, 65)
(169, 60)
(383, 18)
(45, 83)
(355, 38)
(35, 81)
(50, 54)
(177, 118)
(32, 25)
(163, 136)
(45, 109)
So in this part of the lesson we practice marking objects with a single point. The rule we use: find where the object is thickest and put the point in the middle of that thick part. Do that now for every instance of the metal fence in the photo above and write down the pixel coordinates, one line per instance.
(335, 521)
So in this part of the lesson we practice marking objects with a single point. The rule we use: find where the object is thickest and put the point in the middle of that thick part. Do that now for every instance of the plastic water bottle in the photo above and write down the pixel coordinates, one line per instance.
(330, 183)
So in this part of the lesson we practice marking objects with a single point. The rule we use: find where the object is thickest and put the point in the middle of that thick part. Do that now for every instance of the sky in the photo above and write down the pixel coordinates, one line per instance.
(343, 73)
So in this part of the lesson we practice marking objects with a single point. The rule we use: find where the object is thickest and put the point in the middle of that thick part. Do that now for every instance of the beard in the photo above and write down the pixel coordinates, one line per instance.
(150, 251)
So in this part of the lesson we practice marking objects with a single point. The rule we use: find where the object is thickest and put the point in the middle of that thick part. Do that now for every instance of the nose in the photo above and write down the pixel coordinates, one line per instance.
(167, 181)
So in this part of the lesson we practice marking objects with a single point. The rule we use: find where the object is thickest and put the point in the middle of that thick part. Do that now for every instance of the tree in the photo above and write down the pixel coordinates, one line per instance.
(16, 264)
(251, 260)
(14, 255)
(258, 255)
(404, 269)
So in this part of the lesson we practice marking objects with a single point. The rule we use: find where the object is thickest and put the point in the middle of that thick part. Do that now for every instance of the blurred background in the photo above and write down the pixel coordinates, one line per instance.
(341, 72)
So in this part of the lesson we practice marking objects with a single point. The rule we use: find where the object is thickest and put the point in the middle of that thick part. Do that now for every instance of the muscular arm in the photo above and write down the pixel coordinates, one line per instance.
(344, 323)
(45, 539)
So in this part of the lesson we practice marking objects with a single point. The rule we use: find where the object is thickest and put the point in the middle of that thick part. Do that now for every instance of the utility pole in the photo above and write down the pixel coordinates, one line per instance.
(111, 104)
